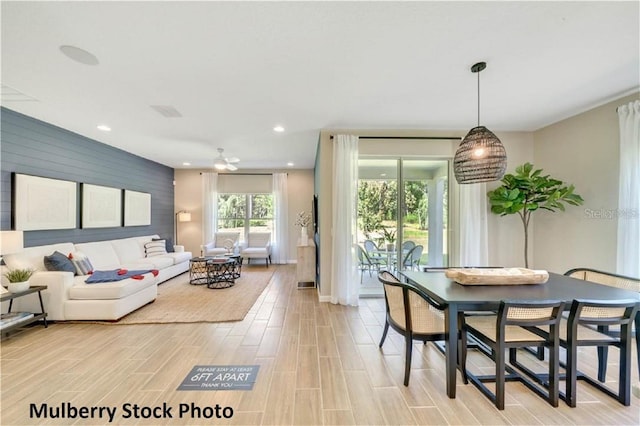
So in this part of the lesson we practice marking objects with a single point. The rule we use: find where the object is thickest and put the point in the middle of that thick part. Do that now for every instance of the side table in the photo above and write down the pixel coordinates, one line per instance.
(198, 270)
(221, 273)
(42, 315)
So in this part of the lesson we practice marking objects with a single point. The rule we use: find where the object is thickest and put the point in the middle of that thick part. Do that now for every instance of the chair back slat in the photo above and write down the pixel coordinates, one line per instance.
(520, 313)
(605, 278)
(603, 312)
(530, 313)
(420, 317)
(395, 299)
(424, 317)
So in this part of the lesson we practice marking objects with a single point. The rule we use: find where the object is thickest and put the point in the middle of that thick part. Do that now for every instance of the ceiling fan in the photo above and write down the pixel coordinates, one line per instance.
(222, 163)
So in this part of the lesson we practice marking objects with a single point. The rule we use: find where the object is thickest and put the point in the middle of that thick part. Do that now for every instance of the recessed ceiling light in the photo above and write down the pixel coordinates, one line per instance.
(383, 174)
(186, 163)
(104, 128)
(79, 55)
(278, 129)
(290, 164)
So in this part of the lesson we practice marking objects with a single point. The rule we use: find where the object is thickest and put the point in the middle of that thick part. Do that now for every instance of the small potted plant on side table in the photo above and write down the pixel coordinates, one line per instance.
(18, 279)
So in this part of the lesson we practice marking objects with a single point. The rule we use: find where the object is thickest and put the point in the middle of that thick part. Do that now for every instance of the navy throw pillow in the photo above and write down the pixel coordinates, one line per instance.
(59, 262)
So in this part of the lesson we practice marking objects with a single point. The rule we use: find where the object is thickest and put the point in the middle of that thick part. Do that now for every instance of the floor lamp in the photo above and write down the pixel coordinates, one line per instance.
(181, 216)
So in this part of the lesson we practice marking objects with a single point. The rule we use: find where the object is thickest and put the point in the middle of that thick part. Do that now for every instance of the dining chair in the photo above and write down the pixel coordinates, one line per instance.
(577, 331)
(371, 248)
(612, 280)
(411, 314)
(365, 262)
(408, 245)
(514, 327)
(412, 258)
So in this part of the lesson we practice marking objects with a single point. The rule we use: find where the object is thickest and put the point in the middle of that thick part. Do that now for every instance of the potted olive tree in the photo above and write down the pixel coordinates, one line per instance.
(527, 191)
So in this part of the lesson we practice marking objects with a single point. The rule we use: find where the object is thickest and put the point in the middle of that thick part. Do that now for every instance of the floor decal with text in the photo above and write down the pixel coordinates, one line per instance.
(220, 377)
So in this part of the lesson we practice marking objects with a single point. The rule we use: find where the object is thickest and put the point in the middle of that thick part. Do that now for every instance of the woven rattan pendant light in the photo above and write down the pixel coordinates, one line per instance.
(480, 156)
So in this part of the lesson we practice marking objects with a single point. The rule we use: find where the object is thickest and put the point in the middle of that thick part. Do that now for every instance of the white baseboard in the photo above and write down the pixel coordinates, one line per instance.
(324, 298)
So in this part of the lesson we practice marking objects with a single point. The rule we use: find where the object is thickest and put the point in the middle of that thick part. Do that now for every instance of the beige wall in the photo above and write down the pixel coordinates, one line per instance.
(506, 233)
(188, 196)
(582, 150)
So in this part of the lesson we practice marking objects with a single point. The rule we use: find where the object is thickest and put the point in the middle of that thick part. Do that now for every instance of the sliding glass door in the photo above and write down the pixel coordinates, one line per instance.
(402, 216)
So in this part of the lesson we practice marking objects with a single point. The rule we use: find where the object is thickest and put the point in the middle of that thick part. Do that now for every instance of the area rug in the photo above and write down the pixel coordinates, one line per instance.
(180, 302)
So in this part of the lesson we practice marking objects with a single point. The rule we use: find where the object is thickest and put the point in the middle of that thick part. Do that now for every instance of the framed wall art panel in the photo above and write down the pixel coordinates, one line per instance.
(137, 208)
(44, 203)
(101, 206)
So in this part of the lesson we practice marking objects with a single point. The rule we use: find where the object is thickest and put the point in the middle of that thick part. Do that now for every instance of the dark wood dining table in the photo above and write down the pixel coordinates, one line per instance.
(454, 298)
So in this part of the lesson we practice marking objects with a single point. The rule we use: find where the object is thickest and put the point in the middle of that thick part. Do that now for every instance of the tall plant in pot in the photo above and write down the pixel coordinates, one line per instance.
(527, 191)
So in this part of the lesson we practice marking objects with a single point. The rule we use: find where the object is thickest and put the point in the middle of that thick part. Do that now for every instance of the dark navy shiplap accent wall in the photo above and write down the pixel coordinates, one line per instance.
(33, 147)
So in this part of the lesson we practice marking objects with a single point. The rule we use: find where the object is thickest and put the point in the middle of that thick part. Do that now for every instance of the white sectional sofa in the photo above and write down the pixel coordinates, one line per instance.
(68, 297)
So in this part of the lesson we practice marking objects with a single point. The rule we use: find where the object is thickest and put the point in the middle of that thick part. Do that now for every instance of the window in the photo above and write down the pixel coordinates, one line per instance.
(245, 213)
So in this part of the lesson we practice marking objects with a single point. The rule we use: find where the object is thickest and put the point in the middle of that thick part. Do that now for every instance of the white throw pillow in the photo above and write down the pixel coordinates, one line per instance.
(81, 262)
(155, 248)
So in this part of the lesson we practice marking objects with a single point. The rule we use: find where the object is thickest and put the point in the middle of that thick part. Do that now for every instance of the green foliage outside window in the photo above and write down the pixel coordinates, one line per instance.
(235, 211)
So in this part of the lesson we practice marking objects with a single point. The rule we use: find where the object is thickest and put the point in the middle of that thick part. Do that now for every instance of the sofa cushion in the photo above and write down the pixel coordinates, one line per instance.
(178, 257)
(255, 251)
(156, 262)
(127, 249)
(59, 262)
(155, 248)
(33, 257)
(111, 290)
(101, 253)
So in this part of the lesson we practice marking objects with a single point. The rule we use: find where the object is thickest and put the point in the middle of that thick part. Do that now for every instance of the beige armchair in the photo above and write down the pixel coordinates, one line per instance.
(223, 243)
(258, 247)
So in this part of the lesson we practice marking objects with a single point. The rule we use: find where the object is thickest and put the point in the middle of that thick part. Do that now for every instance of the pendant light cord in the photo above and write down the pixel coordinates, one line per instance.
(478, 98)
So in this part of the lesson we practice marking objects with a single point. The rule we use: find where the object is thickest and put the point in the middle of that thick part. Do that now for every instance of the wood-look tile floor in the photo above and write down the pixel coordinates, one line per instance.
(319, 364)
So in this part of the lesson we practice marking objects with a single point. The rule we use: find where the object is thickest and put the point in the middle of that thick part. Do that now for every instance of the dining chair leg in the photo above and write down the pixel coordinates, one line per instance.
(624, 380)
(603, 355)
(462, 349)
(500, 366)
(637, 325)
(554, 374)
(571, 373)
(407, 362)
(384, 333)
(604, 350)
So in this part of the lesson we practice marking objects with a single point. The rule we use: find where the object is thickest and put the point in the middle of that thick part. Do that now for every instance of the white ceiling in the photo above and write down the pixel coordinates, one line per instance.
(236, 69)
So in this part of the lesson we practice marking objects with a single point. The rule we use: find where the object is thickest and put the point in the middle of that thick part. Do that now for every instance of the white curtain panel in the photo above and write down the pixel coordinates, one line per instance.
(474, 246)
(629, 191)
(280, 249)
(209, 206)
(345, 284)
